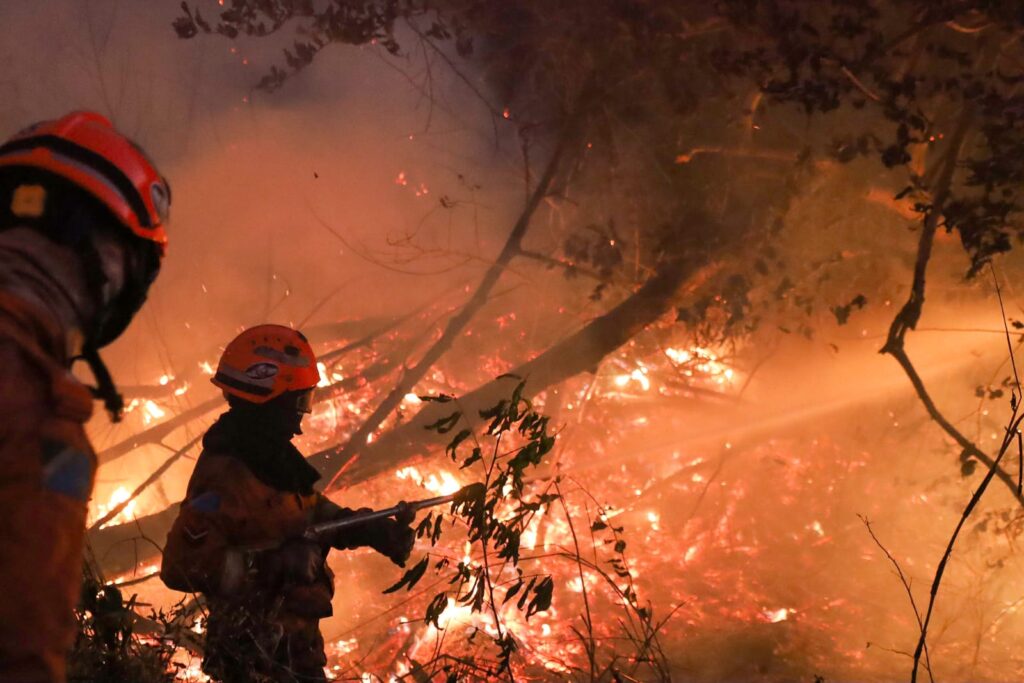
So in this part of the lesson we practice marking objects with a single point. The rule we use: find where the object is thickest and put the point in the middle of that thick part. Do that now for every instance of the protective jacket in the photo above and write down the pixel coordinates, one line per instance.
(82, 231)
(246, 492)
(48, 469)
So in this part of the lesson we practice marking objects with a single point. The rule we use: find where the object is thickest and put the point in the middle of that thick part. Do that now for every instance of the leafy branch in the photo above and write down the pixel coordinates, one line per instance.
(496, 512)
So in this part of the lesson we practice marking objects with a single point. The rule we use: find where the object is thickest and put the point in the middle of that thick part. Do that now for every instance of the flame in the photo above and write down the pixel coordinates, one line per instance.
(152, 411)
(120, 495)
(441, 482)
(775, 616)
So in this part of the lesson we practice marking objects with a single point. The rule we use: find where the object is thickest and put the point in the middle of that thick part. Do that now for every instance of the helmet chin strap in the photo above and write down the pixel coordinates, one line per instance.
(105, 389)
(98, 281)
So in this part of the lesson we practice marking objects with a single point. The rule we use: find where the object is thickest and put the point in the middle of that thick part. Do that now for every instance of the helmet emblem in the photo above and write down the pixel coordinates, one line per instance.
(261, 371)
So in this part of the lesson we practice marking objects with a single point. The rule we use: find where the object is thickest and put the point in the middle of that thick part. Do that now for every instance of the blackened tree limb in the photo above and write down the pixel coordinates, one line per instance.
(968, 446)
(1009, 438)
(152, 478)
(1011, 435)
(121, 548)
(458, 322)
(577, 353)
(910, 313)
(157, 433)
(582, 351)
(906, 587)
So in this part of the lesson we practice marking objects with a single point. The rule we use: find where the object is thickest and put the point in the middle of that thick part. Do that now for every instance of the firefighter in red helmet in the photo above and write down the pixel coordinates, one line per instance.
(251, 488)
(82, 219)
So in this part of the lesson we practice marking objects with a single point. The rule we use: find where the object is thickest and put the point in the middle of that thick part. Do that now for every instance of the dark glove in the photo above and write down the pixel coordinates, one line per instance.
(394, 538)
(297, 560)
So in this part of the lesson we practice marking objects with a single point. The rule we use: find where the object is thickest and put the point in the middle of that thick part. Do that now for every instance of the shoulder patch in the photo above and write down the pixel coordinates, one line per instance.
(205, 502)
(67, 470)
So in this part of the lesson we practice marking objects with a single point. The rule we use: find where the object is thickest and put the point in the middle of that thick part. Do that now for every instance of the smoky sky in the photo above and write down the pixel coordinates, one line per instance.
(333, 184)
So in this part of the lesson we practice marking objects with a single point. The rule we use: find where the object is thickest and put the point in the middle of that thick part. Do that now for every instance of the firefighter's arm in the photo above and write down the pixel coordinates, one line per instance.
(198, 554)
(393, 538)
(203, 552)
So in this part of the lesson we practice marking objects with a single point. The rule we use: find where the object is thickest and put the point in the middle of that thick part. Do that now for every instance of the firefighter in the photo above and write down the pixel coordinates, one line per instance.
(251, 488)
(82, 218)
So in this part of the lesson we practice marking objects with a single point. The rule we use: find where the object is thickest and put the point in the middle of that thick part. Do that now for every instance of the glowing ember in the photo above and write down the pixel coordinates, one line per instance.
(152, 412)
(774, 616)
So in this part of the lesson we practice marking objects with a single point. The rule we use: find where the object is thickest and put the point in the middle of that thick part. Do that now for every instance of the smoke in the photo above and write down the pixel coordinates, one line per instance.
(354, 145)
(370, 185)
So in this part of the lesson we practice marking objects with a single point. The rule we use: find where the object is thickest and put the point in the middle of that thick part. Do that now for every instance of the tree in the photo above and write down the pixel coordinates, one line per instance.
(694, 134)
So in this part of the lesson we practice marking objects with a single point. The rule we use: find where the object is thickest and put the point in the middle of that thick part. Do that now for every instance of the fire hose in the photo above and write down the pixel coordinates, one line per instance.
(315, 530)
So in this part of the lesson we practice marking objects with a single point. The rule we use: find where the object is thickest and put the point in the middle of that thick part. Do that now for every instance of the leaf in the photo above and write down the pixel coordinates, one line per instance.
(968, 466)
(526, 594)
(458, 439)
(509, 375)
(516, 587)
(423, 528)
(842, 313)
(411, 577)
(542, 595)
(598, 525)
(445, 424)
(475, 456)
(440, 398)
(434, 610)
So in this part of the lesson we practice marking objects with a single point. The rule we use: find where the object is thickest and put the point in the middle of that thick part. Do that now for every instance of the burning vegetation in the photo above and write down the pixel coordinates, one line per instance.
(632, 324)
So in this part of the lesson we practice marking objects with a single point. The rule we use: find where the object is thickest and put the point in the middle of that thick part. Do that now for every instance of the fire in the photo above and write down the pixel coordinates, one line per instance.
(775, 616)
(702, 360)
(697, 364)
(139, 573)
(152, 412)
(120, 495)
(686, 532)
(442, 482)
(191, 670)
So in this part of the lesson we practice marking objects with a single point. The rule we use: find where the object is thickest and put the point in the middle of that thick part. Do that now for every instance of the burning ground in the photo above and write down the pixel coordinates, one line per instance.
(688, 229)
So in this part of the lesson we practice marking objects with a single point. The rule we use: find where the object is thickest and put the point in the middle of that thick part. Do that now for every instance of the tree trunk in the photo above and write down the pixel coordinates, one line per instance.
(580, 352)
(119, 548)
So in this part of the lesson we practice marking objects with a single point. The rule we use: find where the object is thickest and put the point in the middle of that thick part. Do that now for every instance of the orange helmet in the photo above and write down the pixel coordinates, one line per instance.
(264, 362)
(84, 148)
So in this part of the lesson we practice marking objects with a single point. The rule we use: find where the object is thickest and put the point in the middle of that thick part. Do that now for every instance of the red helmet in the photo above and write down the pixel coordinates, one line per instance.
(264, 362)
(84, 148)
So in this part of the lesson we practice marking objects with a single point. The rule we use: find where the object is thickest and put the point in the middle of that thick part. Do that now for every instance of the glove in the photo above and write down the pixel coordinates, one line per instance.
(395, 538)
(297, 560)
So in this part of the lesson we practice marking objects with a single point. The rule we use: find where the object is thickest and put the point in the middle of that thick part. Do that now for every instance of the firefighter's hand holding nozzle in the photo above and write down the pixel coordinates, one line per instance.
(403, 536)
(394, 537)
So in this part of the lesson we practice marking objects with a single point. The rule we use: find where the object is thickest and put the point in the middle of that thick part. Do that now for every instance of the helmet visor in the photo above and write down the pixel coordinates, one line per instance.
(304, 401)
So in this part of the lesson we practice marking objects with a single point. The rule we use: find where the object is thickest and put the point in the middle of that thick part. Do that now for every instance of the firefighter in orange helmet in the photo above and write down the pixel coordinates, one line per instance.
(82, 217)
(251, 488)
